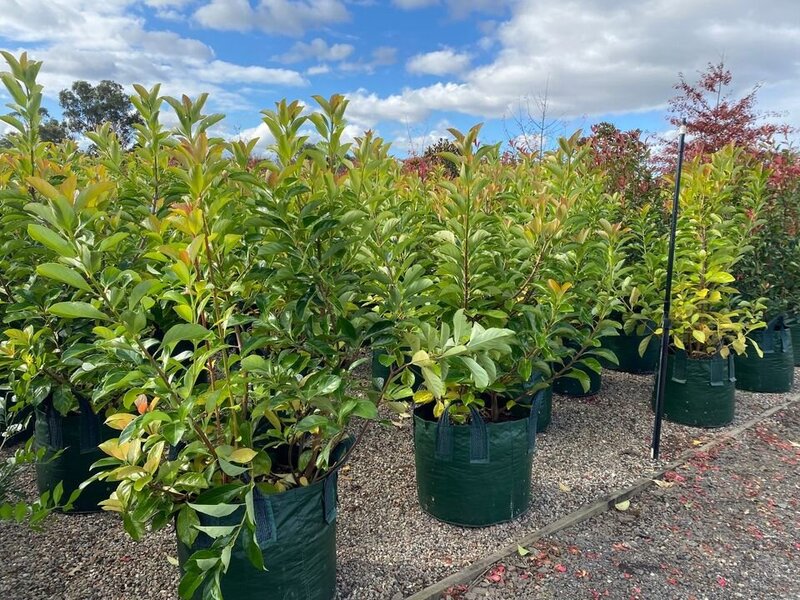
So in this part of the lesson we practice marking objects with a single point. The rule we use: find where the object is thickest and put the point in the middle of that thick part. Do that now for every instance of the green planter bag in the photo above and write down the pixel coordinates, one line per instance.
(545, 404)
(794, 329)
(626, 349)
(296, 531)
(569, 386)
(699, 392)
(477, 474)
(774, 372)
(77, 437)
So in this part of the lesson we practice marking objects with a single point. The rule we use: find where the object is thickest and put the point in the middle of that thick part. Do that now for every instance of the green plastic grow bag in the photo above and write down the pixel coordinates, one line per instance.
(626, 349)
(772, 373)
(569, 386)
(795, 331)
(477, 474)
(296, 531)
(545, 403)
(77, 437)
(699, 392)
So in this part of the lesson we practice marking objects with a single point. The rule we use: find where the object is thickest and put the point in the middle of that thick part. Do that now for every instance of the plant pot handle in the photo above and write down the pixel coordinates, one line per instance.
(679, 367)
(55, 426)
(533, 420)
(90, 426)
(717, 372)
(478, 437)
(265, 517)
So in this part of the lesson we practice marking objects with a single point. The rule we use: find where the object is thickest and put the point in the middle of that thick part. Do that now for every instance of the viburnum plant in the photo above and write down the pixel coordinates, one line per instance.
(720, 206)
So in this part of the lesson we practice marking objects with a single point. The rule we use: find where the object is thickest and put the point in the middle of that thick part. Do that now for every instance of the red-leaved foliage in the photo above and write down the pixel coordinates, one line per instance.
(716, 118)
(625, 157)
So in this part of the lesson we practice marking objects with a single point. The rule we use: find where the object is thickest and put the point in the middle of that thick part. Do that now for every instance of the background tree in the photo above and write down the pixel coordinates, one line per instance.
(716, 117)
(626, 158)
(86, 107)
(433, 154)
(50, 129)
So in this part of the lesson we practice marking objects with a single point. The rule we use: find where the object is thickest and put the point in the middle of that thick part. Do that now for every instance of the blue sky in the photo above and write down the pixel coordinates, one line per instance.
(412, 68)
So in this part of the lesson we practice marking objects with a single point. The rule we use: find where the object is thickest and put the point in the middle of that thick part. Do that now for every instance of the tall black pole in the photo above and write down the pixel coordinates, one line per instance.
(661, 385)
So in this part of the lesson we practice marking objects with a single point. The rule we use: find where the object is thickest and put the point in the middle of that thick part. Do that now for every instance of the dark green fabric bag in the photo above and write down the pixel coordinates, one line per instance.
(545, 404)
(77, 436)
(795, 331)
(477, 474)
(296, 531)
(569, 386)
(626, 349)
(699, 392)
(774, 372)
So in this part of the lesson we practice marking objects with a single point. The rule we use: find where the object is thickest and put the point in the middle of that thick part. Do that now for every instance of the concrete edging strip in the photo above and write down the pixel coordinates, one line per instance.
(587, 511)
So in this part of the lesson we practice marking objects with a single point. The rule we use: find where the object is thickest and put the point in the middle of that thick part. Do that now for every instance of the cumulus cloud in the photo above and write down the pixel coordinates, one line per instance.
(280, 17)
(607, 56)
(457, 8)
(83, 39)
(381, 56)
(441, 62)
(317, 49)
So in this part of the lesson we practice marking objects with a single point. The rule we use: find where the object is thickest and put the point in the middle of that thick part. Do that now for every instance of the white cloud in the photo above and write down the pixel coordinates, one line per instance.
(281, 17)
(83, 39)
(457, 8)
(317, 49)
(604, 56)
(413, 4)
(441, 62)
(318, 70)
(381, 56)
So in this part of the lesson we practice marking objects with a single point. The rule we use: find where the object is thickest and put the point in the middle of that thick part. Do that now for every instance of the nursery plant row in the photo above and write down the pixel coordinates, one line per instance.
(183, 319)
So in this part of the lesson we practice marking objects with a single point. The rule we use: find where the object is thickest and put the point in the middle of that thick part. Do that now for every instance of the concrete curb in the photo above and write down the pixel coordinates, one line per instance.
(587, 511)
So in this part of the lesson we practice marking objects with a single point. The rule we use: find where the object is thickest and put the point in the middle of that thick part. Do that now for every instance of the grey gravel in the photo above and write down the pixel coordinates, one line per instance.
(725, 525)
(387, 547)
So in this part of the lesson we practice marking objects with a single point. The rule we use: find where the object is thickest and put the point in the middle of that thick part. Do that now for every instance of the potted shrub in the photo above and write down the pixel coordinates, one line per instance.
(473, 452)
(635, 348)
(771, 272)
(237, 435)
(710, 321)
(40, 350)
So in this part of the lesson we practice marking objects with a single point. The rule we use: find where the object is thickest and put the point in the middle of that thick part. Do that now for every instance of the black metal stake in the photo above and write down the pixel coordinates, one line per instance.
(661, 385)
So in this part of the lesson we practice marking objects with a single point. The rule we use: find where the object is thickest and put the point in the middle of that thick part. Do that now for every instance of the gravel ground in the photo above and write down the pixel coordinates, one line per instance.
(387, 547)
(726, 525)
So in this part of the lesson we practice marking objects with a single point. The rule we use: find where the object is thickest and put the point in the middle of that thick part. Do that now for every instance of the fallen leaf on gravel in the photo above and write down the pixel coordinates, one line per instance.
(560, 568)
(697, 442)
(624, 505)
(564, 487)
(496, 574)
(663, 484)
(522, 551)
(722, 581)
